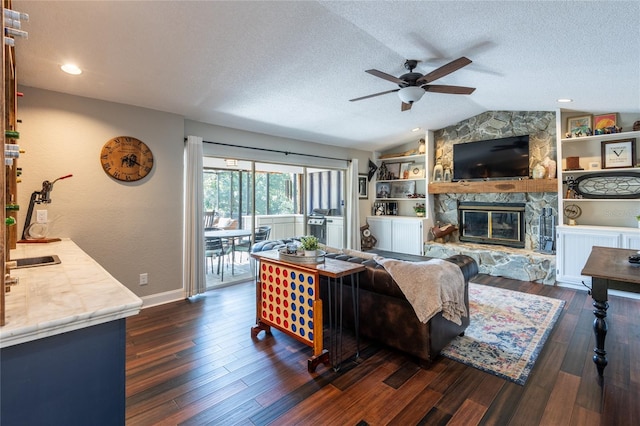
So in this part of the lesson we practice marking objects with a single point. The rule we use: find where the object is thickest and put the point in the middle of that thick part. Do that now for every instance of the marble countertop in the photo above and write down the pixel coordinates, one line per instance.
(55, 299)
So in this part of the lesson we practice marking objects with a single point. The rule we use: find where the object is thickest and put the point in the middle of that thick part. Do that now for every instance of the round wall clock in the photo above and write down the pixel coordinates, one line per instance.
(127, 159)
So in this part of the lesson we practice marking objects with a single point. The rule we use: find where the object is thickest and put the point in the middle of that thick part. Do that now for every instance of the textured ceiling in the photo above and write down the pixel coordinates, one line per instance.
(289, 68)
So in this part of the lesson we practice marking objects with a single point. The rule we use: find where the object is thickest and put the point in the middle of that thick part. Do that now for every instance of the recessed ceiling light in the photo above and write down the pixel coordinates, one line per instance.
(565, 100)
(415, 129)
(71, 69)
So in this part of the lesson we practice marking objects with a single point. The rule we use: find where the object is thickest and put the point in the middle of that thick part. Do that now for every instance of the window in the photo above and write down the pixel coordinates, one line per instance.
(228, 192)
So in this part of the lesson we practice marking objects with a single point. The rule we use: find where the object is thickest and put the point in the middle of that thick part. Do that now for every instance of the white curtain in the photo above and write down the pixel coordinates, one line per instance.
(194, 275)
(353, 206)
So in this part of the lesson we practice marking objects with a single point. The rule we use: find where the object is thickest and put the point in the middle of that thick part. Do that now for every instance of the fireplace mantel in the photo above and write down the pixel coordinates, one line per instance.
(481, 187)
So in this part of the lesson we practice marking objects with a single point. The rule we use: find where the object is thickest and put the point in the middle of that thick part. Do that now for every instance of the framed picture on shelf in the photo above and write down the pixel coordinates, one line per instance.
(363, 185)
(404, 170)
(402, 189)
(601, 122)
(394, 171)
(619, 153)
(579, 125)
(383, 190)
(416, 171)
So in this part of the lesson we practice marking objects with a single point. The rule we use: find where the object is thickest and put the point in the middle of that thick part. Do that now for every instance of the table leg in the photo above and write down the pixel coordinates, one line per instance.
(355, 297)
(600, 330)
(599, 289)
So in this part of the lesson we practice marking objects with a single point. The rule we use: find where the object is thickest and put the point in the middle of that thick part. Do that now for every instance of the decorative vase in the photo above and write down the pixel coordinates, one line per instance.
(420, 214)
(539, 172)
(310, 253)
(550, 166)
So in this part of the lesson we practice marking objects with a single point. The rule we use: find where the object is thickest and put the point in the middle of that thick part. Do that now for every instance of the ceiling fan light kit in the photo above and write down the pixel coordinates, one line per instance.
(410, 94)
(413, 85)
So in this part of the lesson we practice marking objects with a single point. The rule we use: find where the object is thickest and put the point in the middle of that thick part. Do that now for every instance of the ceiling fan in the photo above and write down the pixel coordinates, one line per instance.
(413, 85)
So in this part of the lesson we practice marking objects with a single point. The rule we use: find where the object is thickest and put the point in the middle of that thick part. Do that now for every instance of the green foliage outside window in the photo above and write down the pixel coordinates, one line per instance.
(228, 192)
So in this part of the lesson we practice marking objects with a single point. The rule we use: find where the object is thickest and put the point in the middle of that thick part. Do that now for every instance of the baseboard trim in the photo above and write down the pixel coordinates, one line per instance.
(162, 298)
(611, 292)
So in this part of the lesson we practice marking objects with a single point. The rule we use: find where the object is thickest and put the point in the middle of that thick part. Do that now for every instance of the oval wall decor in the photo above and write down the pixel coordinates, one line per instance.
(622, 185)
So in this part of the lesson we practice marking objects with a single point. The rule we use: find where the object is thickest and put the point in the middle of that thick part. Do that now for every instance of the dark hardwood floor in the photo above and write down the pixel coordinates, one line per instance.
(194, 363)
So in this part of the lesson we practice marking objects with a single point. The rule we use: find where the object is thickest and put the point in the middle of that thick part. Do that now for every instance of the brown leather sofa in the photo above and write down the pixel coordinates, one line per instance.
(385, 314)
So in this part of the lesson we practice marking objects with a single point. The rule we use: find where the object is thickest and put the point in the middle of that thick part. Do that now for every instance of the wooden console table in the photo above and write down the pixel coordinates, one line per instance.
(288, 298)
(610, 269)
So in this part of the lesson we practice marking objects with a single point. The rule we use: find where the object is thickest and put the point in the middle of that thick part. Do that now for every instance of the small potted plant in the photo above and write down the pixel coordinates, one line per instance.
(419, 209)
(309, 245)
(638, 219)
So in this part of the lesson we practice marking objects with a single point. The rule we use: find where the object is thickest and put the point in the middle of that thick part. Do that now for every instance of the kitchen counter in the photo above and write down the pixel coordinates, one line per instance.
(63, 347)
(55, 299)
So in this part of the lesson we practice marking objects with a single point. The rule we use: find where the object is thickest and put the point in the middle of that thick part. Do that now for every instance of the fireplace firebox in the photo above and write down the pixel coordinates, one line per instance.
(492, 223)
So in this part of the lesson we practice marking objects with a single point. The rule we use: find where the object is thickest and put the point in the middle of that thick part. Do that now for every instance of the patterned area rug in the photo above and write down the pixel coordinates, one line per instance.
(507, 332)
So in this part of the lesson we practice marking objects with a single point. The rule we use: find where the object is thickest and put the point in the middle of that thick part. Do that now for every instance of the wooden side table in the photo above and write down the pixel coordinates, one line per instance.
(610, 269)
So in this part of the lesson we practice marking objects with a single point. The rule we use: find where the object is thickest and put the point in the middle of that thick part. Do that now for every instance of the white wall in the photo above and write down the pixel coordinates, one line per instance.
(129, 228)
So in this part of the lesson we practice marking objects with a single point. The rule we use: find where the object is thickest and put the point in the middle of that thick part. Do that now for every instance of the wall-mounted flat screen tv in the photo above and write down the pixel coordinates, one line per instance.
(492, 159)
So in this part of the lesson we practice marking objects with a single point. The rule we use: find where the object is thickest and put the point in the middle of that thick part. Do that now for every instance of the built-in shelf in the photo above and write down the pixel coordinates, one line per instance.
(525, 185)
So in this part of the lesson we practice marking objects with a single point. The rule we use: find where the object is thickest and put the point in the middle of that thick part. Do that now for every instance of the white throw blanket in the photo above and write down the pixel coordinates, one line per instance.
(430, 287)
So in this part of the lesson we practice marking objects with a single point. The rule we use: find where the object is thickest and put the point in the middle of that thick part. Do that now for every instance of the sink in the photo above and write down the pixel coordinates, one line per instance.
(30, 262)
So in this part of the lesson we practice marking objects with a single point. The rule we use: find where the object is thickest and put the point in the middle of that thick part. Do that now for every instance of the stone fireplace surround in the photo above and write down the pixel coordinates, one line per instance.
(523, 264)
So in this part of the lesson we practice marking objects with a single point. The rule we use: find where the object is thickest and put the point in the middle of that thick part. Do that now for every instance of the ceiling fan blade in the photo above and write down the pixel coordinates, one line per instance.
(444, 70)
(387, 77)
(405, 106)
(453, 90)
(371, 96)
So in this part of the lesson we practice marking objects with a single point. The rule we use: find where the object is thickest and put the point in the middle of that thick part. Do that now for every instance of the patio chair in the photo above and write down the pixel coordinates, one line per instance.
(244, 245)
(214, 247)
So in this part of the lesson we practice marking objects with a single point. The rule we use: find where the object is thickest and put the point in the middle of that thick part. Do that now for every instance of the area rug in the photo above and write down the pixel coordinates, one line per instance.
(507, 332)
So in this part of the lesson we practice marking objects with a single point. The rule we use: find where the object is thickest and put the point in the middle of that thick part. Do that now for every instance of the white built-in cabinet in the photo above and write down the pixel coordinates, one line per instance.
(606, 222)
(399, 234)
(335, 233)
(574, 246)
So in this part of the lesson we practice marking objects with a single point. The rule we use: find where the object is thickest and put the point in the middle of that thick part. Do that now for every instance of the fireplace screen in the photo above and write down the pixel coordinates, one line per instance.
(492, 223)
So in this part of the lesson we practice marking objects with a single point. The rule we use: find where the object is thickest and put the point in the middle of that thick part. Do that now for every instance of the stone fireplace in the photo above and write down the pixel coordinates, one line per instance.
(492, 223)
(503, 256)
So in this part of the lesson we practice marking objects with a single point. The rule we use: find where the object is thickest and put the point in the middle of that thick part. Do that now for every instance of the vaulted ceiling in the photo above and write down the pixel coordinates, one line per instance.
(289, 68)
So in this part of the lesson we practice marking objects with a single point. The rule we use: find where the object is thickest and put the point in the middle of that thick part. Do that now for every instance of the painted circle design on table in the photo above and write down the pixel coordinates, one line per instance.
(277, 270)
(310, 280)
(271, 269)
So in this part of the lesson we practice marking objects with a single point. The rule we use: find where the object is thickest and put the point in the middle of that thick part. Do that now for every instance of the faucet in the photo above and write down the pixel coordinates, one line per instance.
(39, 197)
